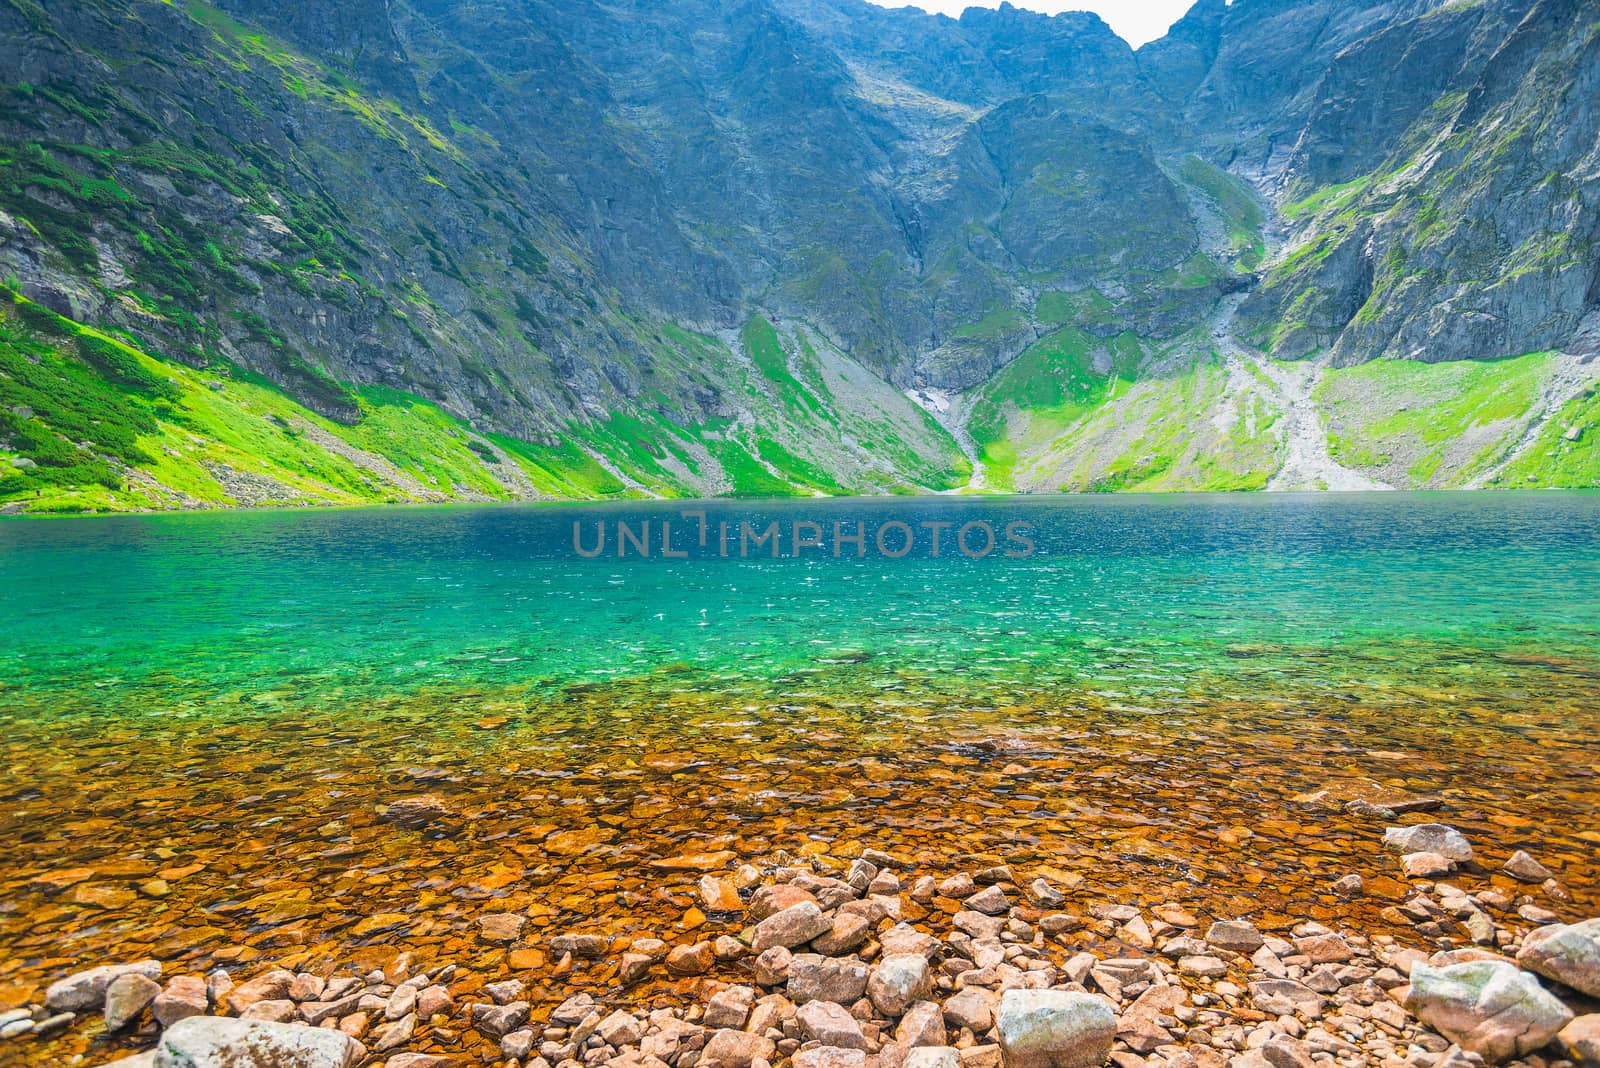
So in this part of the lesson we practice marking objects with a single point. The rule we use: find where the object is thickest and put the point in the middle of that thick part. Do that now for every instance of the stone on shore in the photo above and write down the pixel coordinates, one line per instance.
(932, 1057)
(829, 1024)
(772, 966)
(817, 978)
(219, 1042)
(898, 981)
(794, 926)
(729, 1008)
(690, 960)
(991, 901)
(1489, 1007)
(1054, 1029)
(1438, 838)
(1284, 997)
(972, 1008)
(830, 1057)
(86, 991)
(1567, 953)
(922, 1025)
(1234, 936)
(735, 1049)
(268, 986)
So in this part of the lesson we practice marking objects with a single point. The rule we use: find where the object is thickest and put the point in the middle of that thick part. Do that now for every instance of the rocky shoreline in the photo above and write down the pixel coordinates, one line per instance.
(879, 963)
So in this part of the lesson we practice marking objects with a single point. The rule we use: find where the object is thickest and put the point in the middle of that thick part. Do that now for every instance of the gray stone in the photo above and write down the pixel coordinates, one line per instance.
(772, 966)
(623, 1029)
(735, 1049)
(185, 996)
(817, 978)
(1235, 936)
(794, 926)
(729, 1008)
(1580, 1040)
(991, 901)
(1426, 865)
(1285, 997)
(972, 1008)
(932, 1057)
(1524, 868)
(922, 1025)
(830, 1057)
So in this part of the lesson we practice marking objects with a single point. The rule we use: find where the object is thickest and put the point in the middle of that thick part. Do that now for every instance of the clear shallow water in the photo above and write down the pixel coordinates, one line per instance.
(1148, 599)
(202, 718)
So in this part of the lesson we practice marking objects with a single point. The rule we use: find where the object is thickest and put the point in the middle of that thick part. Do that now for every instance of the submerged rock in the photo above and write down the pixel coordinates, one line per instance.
(1489, 1007)
(416, 811)
(1438, 838)
(1525, 869)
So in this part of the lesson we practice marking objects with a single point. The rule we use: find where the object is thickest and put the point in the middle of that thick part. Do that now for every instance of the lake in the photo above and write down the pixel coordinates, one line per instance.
(204, 715)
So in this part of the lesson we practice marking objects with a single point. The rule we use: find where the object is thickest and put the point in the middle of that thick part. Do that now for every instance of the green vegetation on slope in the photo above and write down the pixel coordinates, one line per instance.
(1434, 425)
(1242, 215)
(1182, 430)
(91, 422)
(1031, 401)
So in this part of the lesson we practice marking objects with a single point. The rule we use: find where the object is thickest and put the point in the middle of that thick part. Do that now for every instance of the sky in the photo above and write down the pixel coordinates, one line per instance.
(1137, 21)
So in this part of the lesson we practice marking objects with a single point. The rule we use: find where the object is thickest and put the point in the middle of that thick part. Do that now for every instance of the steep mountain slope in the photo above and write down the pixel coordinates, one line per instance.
(587, 248)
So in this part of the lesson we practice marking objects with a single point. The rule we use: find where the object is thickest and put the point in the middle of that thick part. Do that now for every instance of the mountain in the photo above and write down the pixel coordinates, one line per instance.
(257, 253)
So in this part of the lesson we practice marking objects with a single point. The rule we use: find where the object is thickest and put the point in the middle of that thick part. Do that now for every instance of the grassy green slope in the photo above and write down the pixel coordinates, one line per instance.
(1459, 423)
(89, 421)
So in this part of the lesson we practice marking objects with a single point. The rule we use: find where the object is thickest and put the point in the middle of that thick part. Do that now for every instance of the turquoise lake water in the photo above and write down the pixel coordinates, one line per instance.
(1146, 599)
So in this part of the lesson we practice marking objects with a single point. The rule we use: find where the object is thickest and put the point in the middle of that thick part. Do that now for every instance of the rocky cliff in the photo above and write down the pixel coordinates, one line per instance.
(435, 249)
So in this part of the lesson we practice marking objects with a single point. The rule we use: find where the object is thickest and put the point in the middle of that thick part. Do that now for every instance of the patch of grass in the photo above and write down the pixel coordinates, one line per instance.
(1447, 422)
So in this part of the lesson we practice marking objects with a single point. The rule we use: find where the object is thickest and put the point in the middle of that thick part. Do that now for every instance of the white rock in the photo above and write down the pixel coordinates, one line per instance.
(897, 981)
(1568, 953)
(1054, 1029)
(219, 1042)
(932, 1057)
(1490, 1007)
